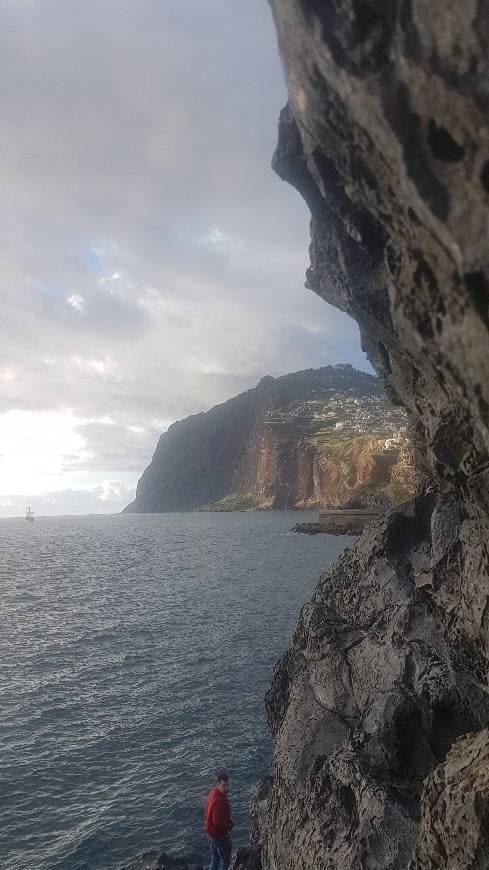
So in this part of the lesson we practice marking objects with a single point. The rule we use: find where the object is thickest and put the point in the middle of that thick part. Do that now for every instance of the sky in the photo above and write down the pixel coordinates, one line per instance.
(151, 263)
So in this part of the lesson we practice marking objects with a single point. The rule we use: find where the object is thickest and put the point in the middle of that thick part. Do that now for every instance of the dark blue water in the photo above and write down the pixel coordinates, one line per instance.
(135, 652)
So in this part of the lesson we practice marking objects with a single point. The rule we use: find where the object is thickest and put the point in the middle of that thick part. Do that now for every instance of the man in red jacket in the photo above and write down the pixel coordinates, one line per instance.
(218, 822)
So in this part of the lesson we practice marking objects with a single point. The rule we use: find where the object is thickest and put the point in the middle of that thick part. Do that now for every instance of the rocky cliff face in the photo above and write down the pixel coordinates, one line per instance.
(277, 447)
(379, 708)
(303, 474)
(195, 461)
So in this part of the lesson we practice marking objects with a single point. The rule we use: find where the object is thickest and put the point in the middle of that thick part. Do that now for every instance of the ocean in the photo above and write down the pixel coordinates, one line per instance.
(135, 652)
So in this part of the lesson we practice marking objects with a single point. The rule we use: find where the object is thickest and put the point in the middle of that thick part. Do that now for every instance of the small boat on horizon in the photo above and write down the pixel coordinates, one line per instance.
(29, 515)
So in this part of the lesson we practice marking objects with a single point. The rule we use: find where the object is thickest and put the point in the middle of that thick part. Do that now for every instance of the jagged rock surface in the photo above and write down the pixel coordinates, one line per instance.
(386, 137)
(454, 830)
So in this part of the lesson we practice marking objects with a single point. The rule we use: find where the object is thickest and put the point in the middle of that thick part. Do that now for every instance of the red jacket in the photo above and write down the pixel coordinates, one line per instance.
(217, 815)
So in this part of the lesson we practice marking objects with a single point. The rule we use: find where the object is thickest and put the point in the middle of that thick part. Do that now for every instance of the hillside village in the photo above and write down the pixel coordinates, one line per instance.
(340, 412)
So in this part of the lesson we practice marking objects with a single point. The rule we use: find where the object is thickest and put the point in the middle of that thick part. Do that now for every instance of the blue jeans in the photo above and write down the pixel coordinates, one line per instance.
(220, 854)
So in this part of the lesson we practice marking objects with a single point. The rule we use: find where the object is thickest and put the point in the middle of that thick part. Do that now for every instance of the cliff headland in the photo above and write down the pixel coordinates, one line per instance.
(316, 438)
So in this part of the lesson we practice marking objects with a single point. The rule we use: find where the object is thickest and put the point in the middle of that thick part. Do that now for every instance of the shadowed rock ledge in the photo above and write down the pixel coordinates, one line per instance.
(377, 711)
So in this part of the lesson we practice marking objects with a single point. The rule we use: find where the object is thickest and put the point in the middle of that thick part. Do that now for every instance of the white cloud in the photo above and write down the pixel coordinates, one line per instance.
(116, 276)
(101, 366)
(76, 301)
(222, 242)
(48, 451)
(7, 374)
(35, 449)
(160, 425)
(313, 328)
(207, 367)
(160, 304)
(115, 283)
(109, 490)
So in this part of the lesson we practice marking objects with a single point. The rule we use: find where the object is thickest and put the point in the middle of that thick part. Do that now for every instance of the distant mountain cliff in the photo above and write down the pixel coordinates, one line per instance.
(316, 438)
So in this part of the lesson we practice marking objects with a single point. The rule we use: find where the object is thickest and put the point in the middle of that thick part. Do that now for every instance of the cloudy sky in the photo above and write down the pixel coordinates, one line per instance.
(151, 263)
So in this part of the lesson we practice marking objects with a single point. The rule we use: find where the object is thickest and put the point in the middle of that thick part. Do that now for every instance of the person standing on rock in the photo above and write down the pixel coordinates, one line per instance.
(218, 822)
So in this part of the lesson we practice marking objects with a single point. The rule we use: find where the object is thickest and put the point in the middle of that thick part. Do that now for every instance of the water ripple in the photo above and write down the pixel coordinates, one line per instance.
(134, 655)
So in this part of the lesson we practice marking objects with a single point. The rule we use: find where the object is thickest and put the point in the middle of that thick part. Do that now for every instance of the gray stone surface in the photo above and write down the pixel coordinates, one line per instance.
(386, 136)
(454, 829)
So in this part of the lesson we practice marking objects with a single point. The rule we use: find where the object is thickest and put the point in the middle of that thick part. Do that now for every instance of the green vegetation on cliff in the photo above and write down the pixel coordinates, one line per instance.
(235, 501)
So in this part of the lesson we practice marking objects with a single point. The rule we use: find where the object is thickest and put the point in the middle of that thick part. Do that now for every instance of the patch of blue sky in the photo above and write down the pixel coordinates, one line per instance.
(57, 302)
(95, 258)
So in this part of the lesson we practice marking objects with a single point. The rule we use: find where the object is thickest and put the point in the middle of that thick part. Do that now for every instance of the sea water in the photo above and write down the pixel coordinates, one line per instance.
(135, 652)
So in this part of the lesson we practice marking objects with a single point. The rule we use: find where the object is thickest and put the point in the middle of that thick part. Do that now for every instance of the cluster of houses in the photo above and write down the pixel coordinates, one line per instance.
(348, 412)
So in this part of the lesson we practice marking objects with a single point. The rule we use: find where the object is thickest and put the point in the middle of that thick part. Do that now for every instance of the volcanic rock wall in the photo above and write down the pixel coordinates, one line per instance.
(378, 709)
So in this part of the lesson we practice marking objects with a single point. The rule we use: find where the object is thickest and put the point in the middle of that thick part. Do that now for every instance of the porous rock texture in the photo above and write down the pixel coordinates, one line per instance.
(455, 805)
(387, 138)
